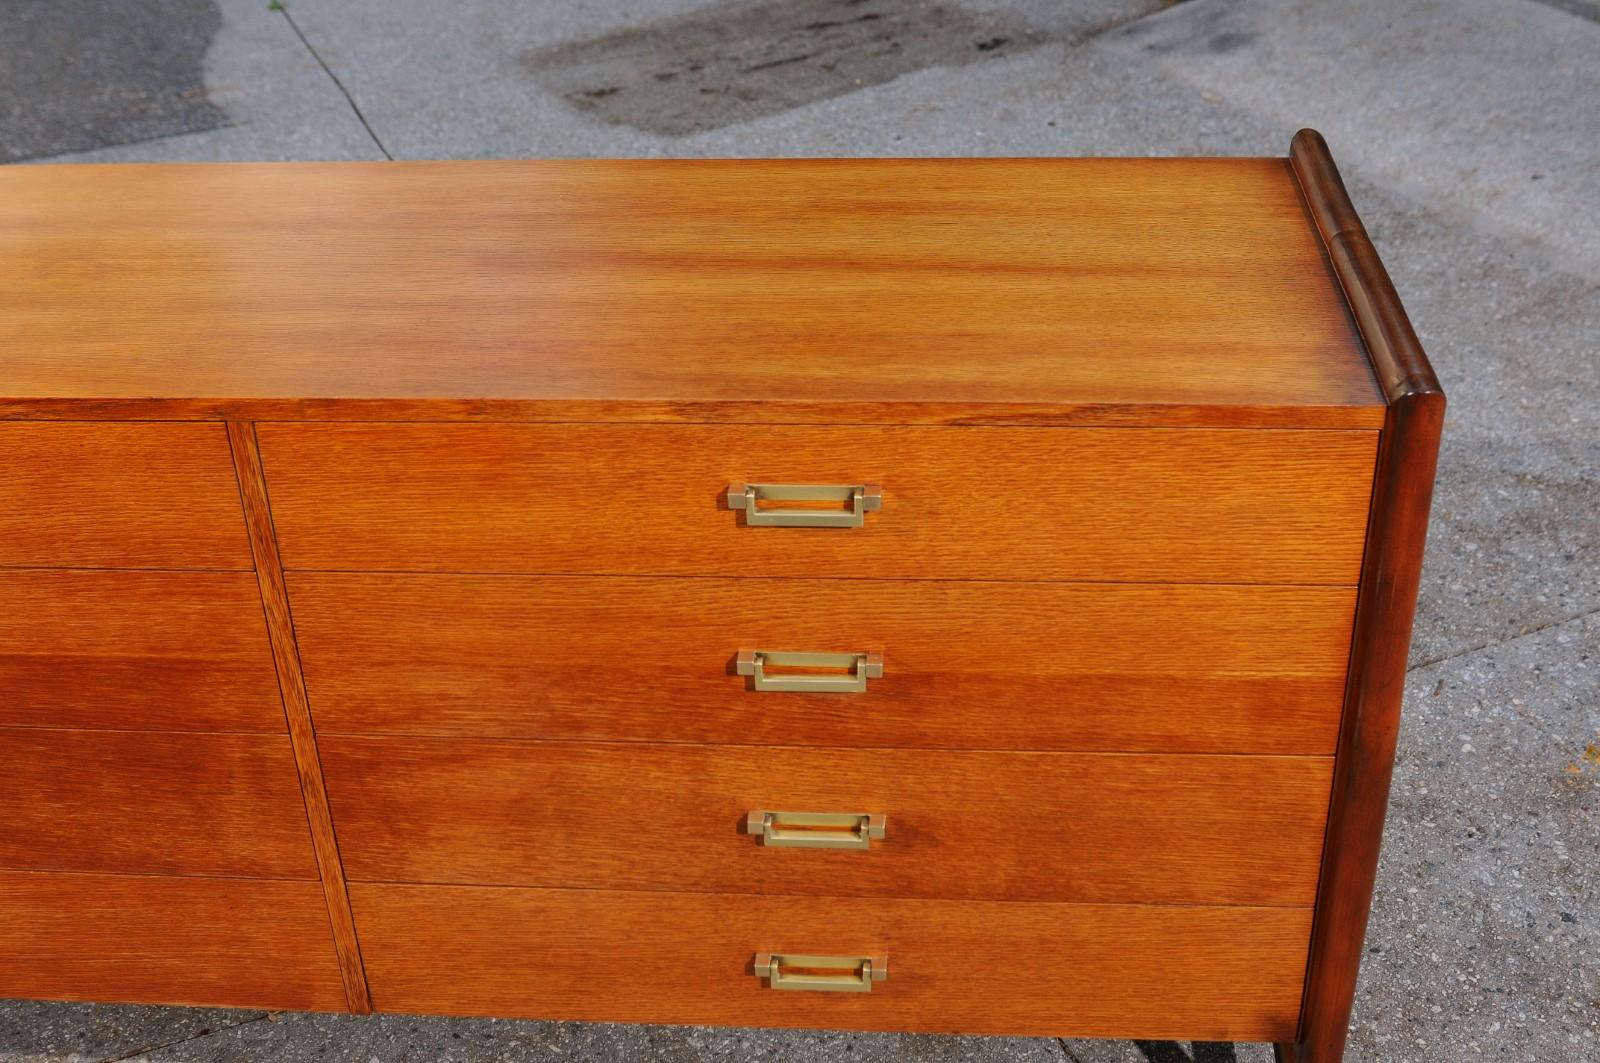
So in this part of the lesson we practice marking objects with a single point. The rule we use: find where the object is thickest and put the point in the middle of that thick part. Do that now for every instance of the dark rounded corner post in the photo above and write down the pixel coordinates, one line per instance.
(1390, 574)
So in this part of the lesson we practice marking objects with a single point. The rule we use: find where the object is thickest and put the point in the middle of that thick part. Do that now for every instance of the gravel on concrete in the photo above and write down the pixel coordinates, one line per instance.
(45, 1032)
(396, 1038)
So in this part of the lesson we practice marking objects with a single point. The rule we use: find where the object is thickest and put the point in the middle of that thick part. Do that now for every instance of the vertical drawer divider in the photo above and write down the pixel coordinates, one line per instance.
(297, 709)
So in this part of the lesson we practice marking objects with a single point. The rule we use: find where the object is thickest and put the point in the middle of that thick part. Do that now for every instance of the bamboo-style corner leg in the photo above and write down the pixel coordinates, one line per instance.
(1391, 569)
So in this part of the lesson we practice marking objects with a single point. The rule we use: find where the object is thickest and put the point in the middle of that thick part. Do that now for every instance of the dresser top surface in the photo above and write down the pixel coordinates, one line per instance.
(1184, 291)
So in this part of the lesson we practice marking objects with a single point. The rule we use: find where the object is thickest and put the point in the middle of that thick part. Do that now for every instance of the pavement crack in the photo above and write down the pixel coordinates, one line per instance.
(1062, 1042)
(1492, 643)
(207, 1032)
(283, 9)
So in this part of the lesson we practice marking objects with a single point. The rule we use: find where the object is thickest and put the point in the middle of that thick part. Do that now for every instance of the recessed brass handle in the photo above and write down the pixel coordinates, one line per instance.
(817, 830)
(822, 974)
(859, 499)
(860, 667)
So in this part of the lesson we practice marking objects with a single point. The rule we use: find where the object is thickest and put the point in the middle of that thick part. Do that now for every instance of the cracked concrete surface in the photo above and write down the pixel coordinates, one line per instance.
(1467, 132)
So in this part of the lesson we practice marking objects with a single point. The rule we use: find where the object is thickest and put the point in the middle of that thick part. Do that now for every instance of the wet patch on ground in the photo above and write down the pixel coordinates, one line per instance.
(76, 75)
(1204, 29)
(1589, 9)
(735, 62)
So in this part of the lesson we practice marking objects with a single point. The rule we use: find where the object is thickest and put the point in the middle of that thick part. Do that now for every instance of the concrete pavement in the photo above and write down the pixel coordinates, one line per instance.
(1468, 133)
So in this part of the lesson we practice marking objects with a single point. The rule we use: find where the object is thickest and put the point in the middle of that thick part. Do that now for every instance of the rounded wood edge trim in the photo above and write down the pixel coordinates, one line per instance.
(1390, 575)
(297, 711)
(569, 411)
(1395, 352)
(1370, 725)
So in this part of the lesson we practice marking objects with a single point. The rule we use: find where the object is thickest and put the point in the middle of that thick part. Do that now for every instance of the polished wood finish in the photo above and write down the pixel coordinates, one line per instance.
(1121, 504)
(961, 825)
(565, 411)
(1391, 574)
(302, 733)
(1218, 974)
(1165, 291)
(174, 651)
(149, 802)
(117, 495)
(1114, 667)
(1156, 443)
(1397, 358)
(150, 940)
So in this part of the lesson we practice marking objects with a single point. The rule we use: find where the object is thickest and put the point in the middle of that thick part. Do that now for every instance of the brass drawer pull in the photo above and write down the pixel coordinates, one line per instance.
(822, 974)
(861, 498)
(861, 667)
(816, 830)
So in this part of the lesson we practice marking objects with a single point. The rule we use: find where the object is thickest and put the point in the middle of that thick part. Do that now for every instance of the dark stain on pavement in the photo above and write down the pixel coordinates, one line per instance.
(82, 74)
(734, 62)
(1589, 9)
(1172, 1052)
(1199, 29)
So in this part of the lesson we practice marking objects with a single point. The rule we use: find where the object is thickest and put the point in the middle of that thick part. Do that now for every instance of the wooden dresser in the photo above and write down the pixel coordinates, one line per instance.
(971, 593)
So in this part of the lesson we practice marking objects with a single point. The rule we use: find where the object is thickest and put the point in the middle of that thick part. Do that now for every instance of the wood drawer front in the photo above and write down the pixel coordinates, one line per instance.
(975, 967)
(150, 940)
(182, 651)
(1184, 505)
(965, 825)
(139, 495)
(152, 803)
(966, 664)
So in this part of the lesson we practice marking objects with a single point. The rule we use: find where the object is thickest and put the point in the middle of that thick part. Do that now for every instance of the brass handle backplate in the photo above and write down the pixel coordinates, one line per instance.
(816, 830)
(858, 499)
(855, 669)
(821, 974)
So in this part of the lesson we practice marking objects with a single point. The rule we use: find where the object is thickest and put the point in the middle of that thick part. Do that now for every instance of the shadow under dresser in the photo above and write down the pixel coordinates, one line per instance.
(920, 595)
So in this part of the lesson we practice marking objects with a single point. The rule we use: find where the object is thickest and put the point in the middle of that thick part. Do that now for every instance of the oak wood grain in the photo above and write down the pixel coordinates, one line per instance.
(567, 411)
(967, 664)
(982, 967)
(961, 825)
(1391, 575)
(1193, 289)
(994, 503)
(151, 802)
(135, 650)
(297, 711)
(103, 495)
(149, 940)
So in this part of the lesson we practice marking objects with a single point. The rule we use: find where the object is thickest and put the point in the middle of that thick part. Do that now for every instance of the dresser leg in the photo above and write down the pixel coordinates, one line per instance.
(1287, 1052)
